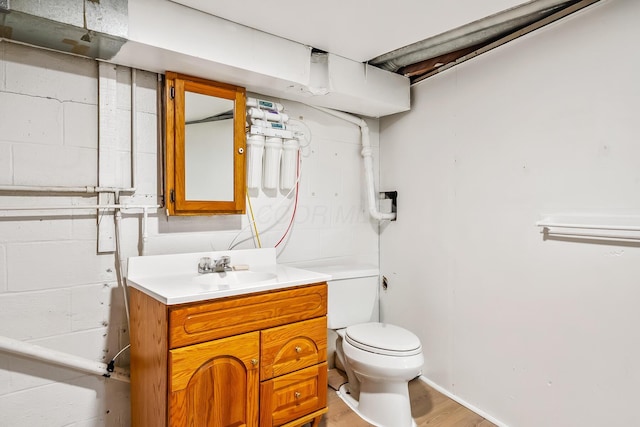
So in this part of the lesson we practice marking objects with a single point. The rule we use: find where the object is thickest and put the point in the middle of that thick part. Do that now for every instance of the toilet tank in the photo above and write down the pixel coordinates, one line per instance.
(353, 293)
(352, 301)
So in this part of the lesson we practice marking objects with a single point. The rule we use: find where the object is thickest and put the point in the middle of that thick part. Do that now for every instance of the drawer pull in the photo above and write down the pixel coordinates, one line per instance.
(298, 349)
(297, 394)
(254, 362)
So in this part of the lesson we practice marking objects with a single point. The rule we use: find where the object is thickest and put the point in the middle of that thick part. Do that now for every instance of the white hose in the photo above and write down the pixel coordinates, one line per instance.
(367, 156)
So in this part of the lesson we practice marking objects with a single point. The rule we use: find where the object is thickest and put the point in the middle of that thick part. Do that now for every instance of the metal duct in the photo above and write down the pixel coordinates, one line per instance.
(92, 28)
(469, 35)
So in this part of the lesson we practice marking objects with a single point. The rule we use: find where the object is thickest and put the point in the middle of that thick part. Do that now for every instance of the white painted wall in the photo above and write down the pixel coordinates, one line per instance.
(56, 291)
(533, 332)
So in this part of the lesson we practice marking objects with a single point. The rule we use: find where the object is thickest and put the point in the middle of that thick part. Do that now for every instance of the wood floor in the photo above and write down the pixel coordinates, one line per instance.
(429, 408)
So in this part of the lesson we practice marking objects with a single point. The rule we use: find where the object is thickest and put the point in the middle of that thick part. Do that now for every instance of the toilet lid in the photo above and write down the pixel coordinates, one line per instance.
(383, 338)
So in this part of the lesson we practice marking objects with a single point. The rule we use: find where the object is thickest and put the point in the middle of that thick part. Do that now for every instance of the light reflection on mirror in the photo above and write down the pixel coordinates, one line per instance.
(208, 147)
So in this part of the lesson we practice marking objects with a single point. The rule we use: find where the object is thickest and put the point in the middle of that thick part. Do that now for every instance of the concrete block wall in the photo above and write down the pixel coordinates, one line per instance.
(57, 291)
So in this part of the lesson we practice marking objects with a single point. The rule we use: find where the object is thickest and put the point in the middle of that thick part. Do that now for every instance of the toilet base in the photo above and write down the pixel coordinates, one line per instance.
(352, 403)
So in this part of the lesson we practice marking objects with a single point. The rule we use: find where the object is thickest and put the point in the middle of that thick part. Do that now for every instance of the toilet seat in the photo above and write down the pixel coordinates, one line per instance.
(384, 339)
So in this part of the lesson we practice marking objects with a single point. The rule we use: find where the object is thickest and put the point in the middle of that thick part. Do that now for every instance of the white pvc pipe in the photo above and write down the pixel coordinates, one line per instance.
(367, 156)
(134, 128)
(145, 218)
(59, 358)
(117, 219)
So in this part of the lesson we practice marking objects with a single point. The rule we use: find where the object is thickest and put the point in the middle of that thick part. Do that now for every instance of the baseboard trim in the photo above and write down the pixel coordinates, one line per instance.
(462, 402)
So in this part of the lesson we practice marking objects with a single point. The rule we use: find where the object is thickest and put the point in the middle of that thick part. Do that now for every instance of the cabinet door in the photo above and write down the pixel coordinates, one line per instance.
(215, 384)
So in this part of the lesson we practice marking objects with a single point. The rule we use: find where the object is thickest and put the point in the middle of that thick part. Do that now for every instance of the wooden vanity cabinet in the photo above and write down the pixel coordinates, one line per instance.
(250, 360)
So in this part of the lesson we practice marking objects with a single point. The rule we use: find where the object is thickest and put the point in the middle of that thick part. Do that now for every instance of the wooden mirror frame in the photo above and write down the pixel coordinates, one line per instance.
(175, 190)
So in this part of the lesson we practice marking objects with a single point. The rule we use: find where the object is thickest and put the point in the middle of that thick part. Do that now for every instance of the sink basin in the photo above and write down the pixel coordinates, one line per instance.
(230, 279)
(173, 279)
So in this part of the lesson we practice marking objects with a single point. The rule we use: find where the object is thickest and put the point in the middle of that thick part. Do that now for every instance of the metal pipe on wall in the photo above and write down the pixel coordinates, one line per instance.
(76, 207)
(467, 35)
(88, 189)
(134, 128)
(60, 358)
(548, 223)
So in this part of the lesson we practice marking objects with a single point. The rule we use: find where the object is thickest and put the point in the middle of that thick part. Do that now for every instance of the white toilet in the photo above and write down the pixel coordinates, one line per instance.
(379, 359)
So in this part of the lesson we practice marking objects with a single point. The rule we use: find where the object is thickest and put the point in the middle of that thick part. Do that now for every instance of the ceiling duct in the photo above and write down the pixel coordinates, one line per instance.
(91, 28)
(470, 35)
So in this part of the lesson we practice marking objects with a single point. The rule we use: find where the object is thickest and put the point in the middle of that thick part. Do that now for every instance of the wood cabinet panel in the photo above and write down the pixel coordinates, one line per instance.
(294, 395)
(292, 347)
(148, 337)
(215, 384)
(199, 322)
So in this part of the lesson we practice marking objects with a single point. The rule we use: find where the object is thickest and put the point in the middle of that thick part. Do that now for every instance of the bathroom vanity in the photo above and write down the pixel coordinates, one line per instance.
(226, 349)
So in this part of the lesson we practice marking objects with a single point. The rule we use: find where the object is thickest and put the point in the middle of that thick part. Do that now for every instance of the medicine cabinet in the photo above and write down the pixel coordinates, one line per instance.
(205, 146)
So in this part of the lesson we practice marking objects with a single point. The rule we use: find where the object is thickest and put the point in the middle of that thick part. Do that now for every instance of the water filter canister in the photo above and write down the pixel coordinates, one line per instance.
(259, 130)
(289, 163)
(272, 116)
(271, 166)
(264, 104)
(255, 149)
(268, 124)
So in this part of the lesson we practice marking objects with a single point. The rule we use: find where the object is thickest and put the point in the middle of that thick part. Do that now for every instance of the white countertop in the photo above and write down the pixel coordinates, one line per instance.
(174, 279)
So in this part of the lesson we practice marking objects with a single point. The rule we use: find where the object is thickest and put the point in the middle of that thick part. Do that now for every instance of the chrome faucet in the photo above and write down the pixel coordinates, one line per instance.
(223, 264)
(218, 266)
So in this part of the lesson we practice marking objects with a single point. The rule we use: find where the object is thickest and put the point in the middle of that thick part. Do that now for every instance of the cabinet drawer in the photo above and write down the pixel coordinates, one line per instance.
(292, 347)
(293, 395)
(199, 322)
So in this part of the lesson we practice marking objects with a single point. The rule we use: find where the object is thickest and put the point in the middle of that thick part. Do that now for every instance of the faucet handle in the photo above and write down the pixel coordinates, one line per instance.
(204, 263)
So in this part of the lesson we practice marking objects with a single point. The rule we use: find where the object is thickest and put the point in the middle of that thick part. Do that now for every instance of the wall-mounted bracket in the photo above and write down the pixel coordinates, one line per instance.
(389, 202)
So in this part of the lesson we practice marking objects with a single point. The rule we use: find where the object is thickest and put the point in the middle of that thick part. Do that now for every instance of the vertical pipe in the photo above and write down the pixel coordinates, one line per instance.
(367, 156)
(134, 128)
(119, 270)
(143, 247)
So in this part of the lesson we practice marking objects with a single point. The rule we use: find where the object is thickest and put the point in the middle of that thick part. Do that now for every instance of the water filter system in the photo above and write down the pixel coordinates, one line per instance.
(272, 147)
(288, 163)
(255, 148)
(271, 171)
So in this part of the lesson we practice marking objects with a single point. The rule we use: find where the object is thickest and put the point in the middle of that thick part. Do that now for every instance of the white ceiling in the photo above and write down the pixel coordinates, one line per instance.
(353, 29)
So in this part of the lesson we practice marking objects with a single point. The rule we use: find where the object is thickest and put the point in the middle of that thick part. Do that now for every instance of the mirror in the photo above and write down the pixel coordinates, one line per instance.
(205, 145)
